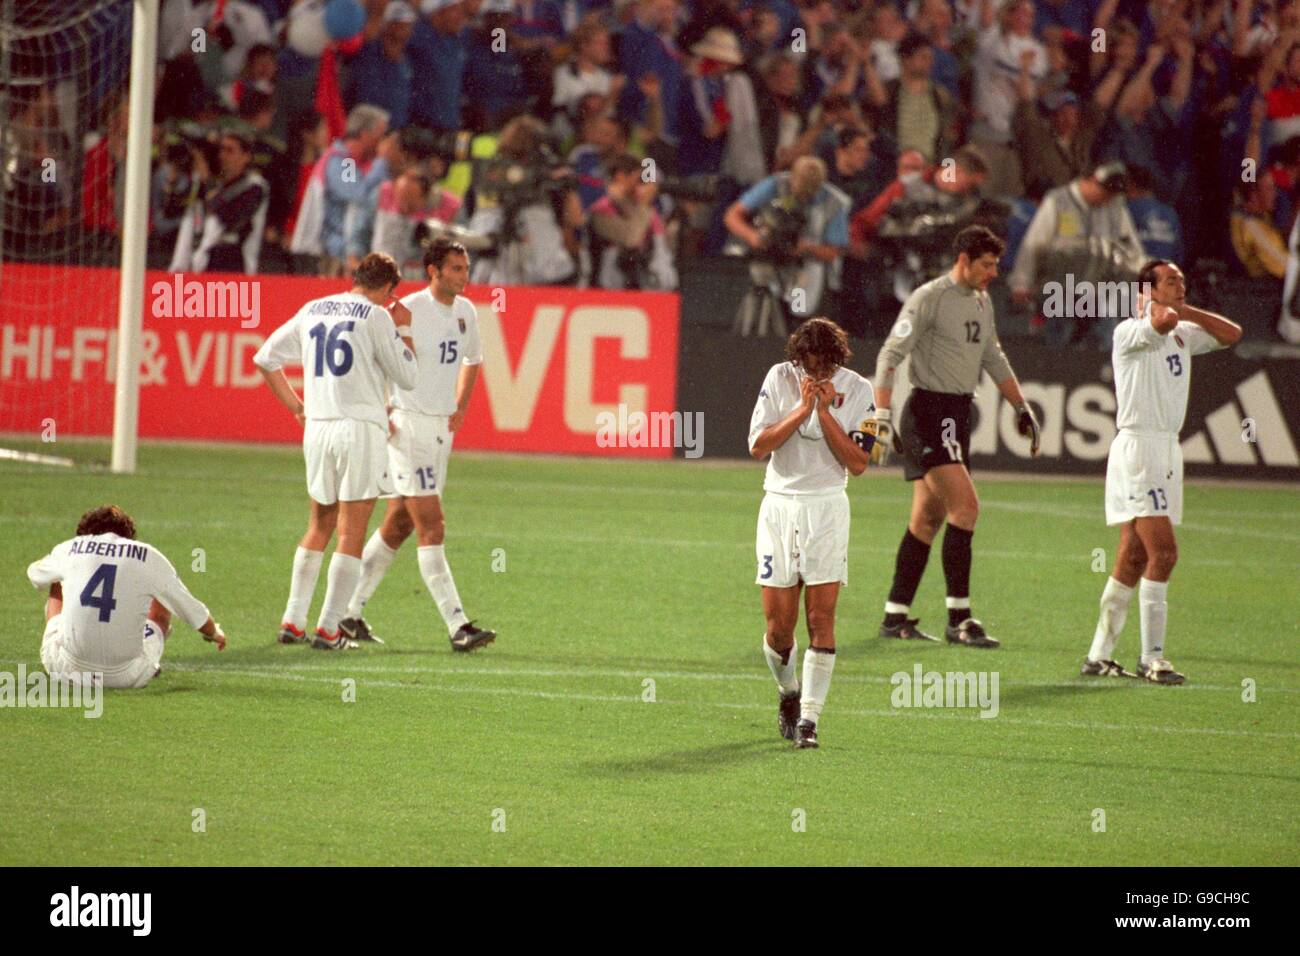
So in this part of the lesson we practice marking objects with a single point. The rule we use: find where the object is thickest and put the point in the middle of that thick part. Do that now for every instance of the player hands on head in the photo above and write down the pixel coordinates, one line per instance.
(424, 420)
(948, 328)
(350, 348)
(815, 418)
(124, 593)
(1152, 358)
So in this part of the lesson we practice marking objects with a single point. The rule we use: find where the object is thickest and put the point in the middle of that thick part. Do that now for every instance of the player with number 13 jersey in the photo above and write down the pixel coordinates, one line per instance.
(1152, 359)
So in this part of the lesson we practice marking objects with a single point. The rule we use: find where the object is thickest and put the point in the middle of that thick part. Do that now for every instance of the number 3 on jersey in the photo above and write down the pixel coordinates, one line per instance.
(332, 352)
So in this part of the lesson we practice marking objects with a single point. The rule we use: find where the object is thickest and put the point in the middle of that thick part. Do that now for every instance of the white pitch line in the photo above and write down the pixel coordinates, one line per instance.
(735, 705)
(675, 675)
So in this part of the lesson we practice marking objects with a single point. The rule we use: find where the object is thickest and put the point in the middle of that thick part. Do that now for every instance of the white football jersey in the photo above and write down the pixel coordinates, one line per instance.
(1153, 373)
(805, 464)
(108, 584)
(348, 348)
(445, 337)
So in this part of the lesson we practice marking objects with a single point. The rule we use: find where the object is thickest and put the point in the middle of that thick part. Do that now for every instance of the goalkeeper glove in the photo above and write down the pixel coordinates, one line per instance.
(885, 437)
(1028, 426)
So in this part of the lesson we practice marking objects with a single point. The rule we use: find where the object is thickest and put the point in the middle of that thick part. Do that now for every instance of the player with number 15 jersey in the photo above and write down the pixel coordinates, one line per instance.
(425, 417)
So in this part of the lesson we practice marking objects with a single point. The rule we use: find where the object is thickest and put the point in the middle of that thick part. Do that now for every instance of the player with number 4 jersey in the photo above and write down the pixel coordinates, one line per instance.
(1152, 359)
(349, 349)
(425, 417)
(111, 598)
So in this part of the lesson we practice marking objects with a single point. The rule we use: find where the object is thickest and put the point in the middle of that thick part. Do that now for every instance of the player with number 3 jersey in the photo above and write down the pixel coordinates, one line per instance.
(1152, 358)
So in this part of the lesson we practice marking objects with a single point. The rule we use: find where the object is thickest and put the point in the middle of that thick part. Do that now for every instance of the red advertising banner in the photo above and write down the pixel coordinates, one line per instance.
(562, 367)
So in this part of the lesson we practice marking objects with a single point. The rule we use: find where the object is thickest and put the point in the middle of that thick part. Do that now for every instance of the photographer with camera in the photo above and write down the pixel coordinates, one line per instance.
(526, 199)
(222, 228)
(628, 247)
(404, 206)
(796, 227)
(1085, 230)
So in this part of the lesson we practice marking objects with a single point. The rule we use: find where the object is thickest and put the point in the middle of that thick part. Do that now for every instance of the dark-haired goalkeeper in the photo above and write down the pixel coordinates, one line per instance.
(948, 329)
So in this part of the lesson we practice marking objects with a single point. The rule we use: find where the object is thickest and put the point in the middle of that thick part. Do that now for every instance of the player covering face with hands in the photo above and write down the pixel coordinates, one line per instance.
(947, 328)
(1152, 358)
(111, 600)
(815, 419)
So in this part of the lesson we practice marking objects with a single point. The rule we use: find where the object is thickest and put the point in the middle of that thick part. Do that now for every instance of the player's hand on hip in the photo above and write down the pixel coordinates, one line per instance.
(1027, 425)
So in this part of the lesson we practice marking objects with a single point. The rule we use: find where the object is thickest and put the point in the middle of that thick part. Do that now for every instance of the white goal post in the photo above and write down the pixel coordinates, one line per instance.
(135, 230)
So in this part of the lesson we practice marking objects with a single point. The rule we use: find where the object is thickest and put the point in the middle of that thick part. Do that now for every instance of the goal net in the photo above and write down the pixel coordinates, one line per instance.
(64, 67)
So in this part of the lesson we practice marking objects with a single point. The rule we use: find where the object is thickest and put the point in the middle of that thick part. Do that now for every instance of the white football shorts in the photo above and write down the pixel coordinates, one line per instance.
(803, 538)
(418, 453)
(133, 674)
(347, 460)
(1144, 478)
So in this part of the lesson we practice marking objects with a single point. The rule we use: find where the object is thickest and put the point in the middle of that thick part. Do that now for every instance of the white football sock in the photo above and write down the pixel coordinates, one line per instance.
(1153, 611)
(302, 585)
(341, 580)
(787, 674)
(437, 577)
(375, 560)
(817, 667)
(1114, 612)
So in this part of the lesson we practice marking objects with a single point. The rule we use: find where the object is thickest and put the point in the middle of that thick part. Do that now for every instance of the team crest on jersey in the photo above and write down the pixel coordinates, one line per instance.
(902, 328)
(461, 323)
(1178, 338)
(839, 400)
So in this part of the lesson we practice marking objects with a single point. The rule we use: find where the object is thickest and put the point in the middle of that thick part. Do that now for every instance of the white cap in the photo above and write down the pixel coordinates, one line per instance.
(428, 7)
(399, 11)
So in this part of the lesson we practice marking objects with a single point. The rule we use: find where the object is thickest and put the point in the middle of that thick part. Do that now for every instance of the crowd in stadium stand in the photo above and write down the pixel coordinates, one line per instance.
(608, 142)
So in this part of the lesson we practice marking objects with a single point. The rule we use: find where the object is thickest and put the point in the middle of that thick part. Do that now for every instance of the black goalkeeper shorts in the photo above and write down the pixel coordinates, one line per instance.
(934, 429)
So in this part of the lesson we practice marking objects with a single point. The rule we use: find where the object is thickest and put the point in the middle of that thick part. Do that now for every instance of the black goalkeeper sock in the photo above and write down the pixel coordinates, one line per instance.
(908, 568)
(956, 569)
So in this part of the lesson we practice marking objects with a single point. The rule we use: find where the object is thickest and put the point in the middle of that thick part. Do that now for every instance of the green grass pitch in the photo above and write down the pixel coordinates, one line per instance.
(542, 749)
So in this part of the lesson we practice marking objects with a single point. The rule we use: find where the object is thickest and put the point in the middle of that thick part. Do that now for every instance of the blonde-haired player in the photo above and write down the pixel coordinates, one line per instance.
(1152, 358)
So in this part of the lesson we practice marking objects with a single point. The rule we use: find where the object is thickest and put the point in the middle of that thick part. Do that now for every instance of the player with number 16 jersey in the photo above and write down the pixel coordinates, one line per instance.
(349, 348)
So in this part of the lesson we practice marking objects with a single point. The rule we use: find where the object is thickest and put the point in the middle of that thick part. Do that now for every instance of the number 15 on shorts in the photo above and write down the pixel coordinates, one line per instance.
(428, 478)
(1158, 500)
